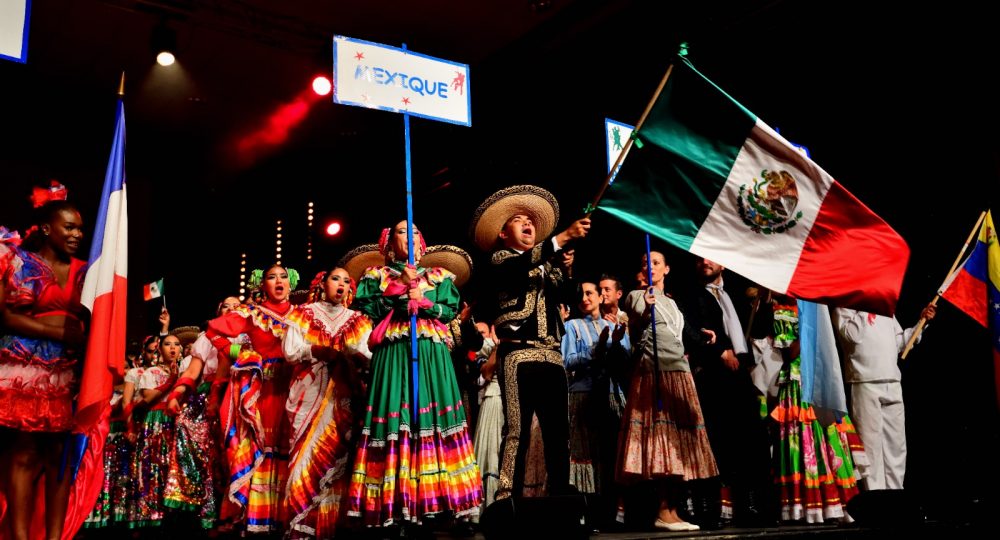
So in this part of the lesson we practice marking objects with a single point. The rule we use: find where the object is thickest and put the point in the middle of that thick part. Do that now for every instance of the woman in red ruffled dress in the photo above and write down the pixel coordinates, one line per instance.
(41, 340)
(255, 427)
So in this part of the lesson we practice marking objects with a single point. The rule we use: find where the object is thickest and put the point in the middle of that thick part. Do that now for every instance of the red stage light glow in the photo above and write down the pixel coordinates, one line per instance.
(333, 229)
(274, 131)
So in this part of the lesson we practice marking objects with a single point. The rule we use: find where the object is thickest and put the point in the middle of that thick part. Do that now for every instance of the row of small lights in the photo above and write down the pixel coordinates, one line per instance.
(243, 276)
(309, 242)
(277, 246)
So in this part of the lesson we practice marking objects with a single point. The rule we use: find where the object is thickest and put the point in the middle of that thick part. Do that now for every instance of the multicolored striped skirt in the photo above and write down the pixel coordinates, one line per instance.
(257, 441)
(816, 469)
(319, 468)
(402, 471)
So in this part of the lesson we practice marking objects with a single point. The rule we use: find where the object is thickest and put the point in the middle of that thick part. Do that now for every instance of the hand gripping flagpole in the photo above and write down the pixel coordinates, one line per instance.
(919, 328)
(415, 366)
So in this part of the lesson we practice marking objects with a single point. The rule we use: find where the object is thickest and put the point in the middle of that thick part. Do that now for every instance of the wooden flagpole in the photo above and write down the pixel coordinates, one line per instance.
(628, 144)
(920, 324)
(754, 308)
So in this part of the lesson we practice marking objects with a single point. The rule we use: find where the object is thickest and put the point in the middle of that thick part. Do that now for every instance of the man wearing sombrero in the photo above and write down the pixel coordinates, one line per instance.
(526, 270)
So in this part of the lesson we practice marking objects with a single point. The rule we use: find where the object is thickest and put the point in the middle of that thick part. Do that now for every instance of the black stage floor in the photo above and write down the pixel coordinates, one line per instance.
(936, 530)
(930, 529)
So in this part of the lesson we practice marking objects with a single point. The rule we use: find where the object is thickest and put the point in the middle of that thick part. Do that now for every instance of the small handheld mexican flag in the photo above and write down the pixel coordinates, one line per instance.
(152, 290)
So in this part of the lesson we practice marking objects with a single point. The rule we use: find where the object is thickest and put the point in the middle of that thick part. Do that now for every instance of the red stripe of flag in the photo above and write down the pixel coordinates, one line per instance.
(109, 312)
(851, 257)
(969, 294)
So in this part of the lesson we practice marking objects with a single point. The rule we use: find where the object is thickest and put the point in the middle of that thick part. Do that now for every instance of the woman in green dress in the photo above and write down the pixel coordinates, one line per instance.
(404, 471)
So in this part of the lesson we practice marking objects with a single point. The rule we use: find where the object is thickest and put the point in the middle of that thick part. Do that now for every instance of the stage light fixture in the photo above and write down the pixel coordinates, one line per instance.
(333, 229)
(165, 58)
(164, 44)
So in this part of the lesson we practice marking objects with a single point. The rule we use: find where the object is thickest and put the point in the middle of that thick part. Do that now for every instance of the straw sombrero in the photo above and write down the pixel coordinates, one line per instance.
(532, 201)
(186, 334)
(360, 259)
(451, 258)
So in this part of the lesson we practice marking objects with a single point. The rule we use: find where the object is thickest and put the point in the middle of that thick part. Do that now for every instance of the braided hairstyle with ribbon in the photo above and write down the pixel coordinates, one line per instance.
(149, 341)
(317, 288)
(257, 279)
(385, 248)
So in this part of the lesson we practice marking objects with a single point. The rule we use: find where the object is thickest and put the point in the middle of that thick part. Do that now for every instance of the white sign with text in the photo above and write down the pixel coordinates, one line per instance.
(377, 76)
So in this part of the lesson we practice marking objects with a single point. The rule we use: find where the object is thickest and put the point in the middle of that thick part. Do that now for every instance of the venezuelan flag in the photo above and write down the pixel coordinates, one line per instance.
(975, 287)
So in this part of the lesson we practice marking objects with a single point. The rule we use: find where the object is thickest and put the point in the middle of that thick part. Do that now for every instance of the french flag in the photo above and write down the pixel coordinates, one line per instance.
(104, 294)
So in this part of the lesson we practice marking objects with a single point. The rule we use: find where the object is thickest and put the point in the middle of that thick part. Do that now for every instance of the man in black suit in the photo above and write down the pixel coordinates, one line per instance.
(731, 406)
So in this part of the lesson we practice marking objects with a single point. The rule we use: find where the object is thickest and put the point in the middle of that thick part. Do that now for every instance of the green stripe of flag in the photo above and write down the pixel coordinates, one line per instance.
(690, 141)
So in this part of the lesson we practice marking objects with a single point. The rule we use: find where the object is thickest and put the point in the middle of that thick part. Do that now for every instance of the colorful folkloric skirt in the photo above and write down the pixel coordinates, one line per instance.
(193, 477)
(319, 468)
(257, 442)
(660, 442)
(487, 442)
(36, 385)
(815, 466)
(150, 463)
(402, 471)
(583, 471)
(109, 505)
(535, 474)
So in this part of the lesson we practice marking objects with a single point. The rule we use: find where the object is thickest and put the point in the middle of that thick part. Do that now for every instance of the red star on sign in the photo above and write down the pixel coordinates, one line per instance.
(359, 55)
(406, 101)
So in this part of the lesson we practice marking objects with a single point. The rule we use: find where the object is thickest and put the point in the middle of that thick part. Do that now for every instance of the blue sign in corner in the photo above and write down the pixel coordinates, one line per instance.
(23, 59)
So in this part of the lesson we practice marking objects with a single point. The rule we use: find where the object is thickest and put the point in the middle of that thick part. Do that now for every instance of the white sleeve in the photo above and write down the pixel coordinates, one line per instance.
(850, 324)
(133, 375)
(202, 348)
(150, 379)
(903, 336)
(295, 347)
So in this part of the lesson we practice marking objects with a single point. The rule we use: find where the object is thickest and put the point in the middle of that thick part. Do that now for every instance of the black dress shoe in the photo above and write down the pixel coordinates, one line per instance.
(753, 512)
(563, 491)
(463, 529)
(706, 506)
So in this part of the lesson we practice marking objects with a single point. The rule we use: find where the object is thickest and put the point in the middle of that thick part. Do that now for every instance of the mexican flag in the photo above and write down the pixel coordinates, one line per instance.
(152, 290)
(707, 176)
